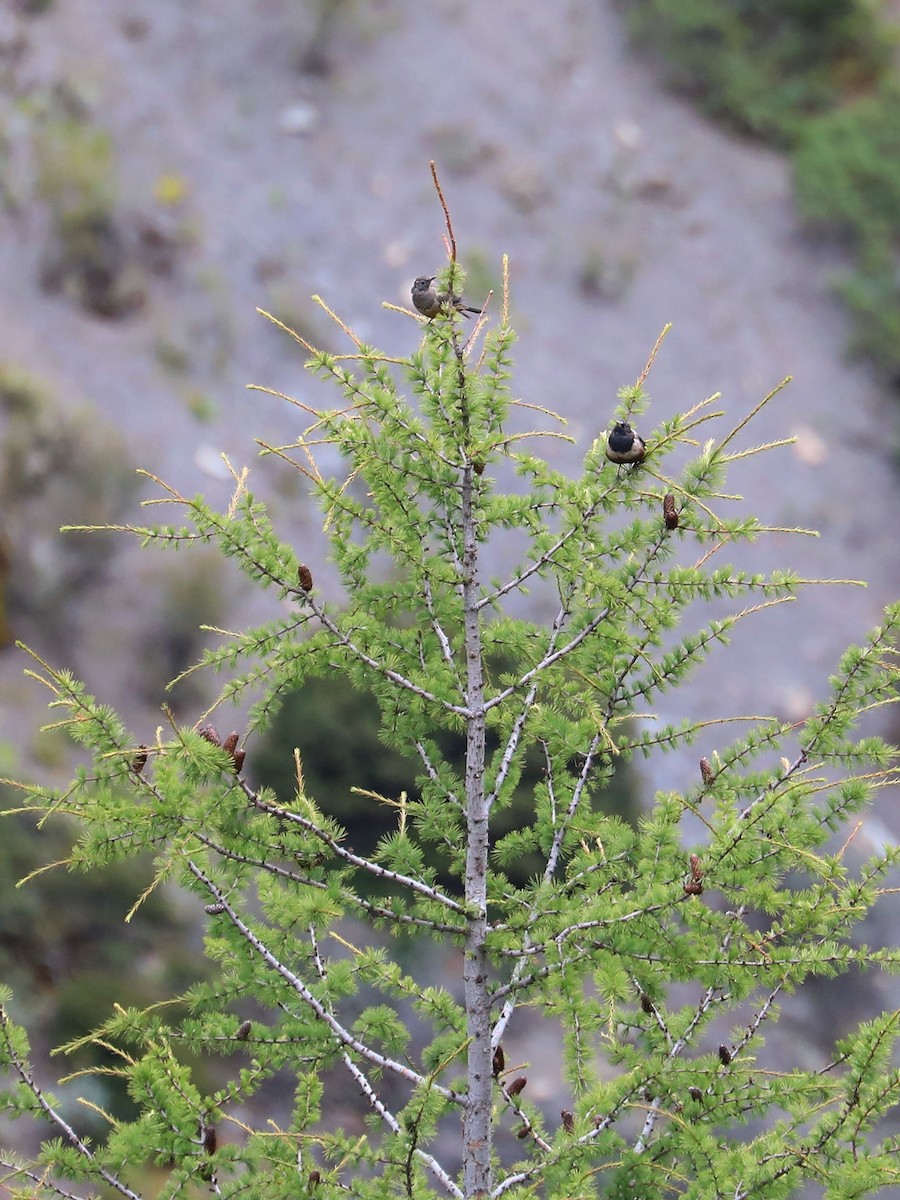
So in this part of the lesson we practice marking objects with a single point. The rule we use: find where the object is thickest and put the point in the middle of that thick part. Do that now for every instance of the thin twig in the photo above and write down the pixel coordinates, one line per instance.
(450, 235)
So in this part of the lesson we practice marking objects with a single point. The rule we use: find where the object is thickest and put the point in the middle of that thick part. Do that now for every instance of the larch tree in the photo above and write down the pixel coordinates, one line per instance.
(640, 940)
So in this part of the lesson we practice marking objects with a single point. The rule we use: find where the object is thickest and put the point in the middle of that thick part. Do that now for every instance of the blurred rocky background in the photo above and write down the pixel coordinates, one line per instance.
(167, 168)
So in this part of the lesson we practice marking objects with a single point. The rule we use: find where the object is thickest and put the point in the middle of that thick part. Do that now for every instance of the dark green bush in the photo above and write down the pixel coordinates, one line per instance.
(337, 730)
(847, 169)
(872, 292)
(759, 66)
(847, 172)
(86, 257)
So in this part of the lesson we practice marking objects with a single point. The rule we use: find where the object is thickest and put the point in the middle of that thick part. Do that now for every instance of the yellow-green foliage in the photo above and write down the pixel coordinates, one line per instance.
(75, 174)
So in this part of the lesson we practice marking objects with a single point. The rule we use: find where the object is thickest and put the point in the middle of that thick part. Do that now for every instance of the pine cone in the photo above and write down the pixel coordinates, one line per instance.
(670, 513)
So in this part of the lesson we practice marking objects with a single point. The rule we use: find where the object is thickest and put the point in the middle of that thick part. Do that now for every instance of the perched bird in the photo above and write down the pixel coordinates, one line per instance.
(429, 302)
(623, 445)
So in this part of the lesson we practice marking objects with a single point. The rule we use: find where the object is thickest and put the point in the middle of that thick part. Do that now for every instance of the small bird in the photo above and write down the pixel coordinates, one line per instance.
(430, 302)
(623, 445)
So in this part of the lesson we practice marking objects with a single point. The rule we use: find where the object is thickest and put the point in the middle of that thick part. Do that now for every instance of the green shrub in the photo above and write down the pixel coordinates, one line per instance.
(760, 66)
(86, 258)
(847, 171)
(847, 174)
(873, 296)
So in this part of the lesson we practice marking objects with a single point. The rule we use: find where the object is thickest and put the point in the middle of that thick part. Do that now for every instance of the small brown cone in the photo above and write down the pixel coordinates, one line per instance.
(209, 1138)
(670, 512)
